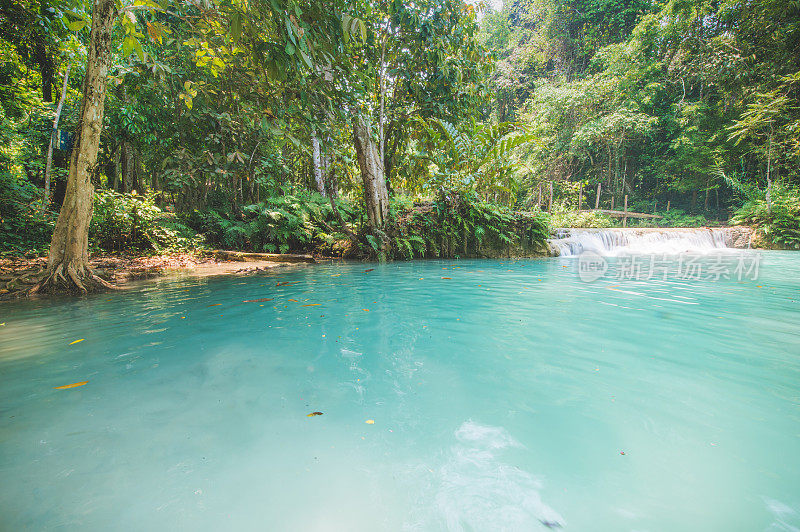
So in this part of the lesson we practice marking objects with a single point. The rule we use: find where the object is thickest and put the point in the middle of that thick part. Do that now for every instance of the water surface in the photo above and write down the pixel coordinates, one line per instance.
(504, 395)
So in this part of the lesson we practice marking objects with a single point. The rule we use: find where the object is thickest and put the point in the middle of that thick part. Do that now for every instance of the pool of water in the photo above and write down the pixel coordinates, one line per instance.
(455, 395)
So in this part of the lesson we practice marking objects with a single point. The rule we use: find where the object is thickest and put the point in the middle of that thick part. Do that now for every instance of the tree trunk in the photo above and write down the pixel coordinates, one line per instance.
(49, 163)
(128, 165)
(116, 164)
(331, 184)
(68, 262)
(376, 196)
(769, 173)
(315, 156)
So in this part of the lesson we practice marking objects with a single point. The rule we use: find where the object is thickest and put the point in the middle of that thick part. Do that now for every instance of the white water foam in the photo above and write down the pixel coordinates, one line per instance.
(612, 242)
(477, 491)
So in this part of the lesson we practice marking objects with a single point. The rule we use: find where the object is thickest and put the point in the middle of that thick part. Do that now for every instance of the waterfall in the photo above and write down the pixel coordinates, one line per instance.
(612, 242)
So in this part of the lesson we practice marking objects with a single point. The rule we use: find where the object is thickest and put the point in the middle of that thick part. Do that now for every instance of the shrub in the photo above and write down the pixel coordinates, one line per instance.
(292, 222)
(778, 223)
(134, 222)
(679, 218)
(589, 219)
(459, 224)
(24, 227)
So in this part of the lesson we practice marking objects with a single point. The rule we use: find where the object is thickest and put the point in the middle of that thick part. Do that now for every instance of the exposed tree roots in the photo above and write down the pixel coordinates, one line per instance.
(65, 278)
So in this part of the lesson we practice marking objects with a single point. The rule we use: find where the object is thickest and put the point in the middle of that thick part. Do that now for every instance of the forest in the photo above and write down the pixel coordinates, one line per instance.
(387, 130)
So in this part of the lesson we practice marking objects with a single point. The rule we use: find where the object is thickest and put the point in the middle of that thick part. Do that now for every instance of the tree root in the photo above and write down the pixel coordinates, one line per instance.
(67, 279)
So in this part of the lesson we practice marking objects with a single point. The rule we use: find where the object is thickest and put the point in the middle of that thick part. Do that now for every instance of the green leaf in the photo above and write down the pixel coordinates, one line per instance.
(76, 25)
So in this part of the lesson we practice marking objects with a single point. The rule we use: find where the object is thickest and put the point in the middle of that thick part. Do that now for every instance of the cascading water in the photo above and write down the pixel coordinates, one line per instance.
(612, 242)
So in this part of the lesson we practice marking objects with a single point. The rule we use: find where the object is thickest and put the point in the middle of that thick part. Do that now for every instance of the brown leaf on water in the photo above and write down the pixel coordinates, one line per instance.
(284, 283)
(446, 277)
(312, 414)
(292, 300)
(368, 270)
(259, 300)
(73, 385)
(311, 305)
(215, 305)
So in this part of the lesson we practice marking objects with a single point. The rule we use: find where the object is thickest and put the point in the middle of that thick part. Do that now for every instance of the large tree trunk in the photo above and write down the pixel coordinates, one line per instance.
(49, 163)
(376, 196)
(68, 262)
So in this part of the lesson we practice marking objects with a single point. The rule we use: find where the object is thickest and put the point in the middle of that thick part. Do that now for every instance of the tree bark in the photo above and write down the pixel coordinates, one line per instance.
(315, 156)
(68, 262)
(49, 163)
(376, 196)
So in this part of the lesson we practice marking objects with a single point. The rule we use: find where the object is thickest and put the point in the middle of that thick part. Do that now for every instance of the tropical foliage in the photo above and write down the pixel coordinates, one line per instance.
(236, 121)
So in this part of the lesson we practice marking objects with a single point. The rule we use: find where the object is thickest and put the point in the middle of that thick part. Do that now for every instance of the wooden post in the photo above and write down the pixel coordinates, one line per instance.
(625, 213)
(580, 195)
(612, 202)
(667, 205)
(550, 202)
(597, 198)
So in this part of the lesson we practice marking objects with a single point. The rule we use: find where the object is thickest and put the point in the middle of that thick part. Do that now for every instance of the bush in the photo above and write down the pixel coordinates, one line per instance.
(134, 222)
(588, 219)
(460, 224)
(24, 227)
(292, 222)
(779, 223)
(679, 218)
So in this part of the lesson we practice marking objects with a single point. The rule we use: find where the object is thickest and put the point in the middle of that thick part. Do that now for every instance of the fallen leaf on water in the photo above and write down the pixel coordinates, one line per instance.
(259, 300)
(446, 277)
(312, 414)
(292, 300)
(215, 305)
(76, 341)
(370, 422)
(311, 305)
(336, 275)
(284, 283)
(73, 385)
(368, 270)
(365, 309)
(622, 453)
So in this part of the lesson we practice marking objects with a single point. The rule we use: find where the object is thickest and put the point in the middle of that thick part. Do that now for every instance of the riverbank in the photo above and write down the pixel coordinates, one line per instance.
(19, 273)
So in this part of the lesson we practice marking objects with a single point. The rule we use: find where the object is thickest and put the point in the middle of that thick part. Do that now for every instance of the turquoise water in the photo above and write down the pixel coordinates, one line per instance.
(502, 398)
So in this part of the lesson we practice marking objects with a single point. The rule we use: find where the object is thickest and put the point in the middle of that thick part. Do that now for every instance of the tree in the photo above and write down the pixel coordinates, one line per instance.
(68, 261)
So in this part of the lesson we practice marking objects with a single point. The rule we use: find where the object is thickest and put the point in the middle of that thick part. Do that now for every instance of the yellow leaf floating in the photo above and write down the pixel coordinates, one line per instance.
(370, 422)
(73, 385)
(311, 305)
(76, 341)
(215, 305)
(312, 414)
(292, 300)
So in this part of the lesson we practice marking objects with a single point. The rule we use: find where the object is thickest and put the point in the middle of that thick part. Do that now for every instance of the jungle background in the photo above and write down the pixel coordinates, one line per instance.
(239, 125)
